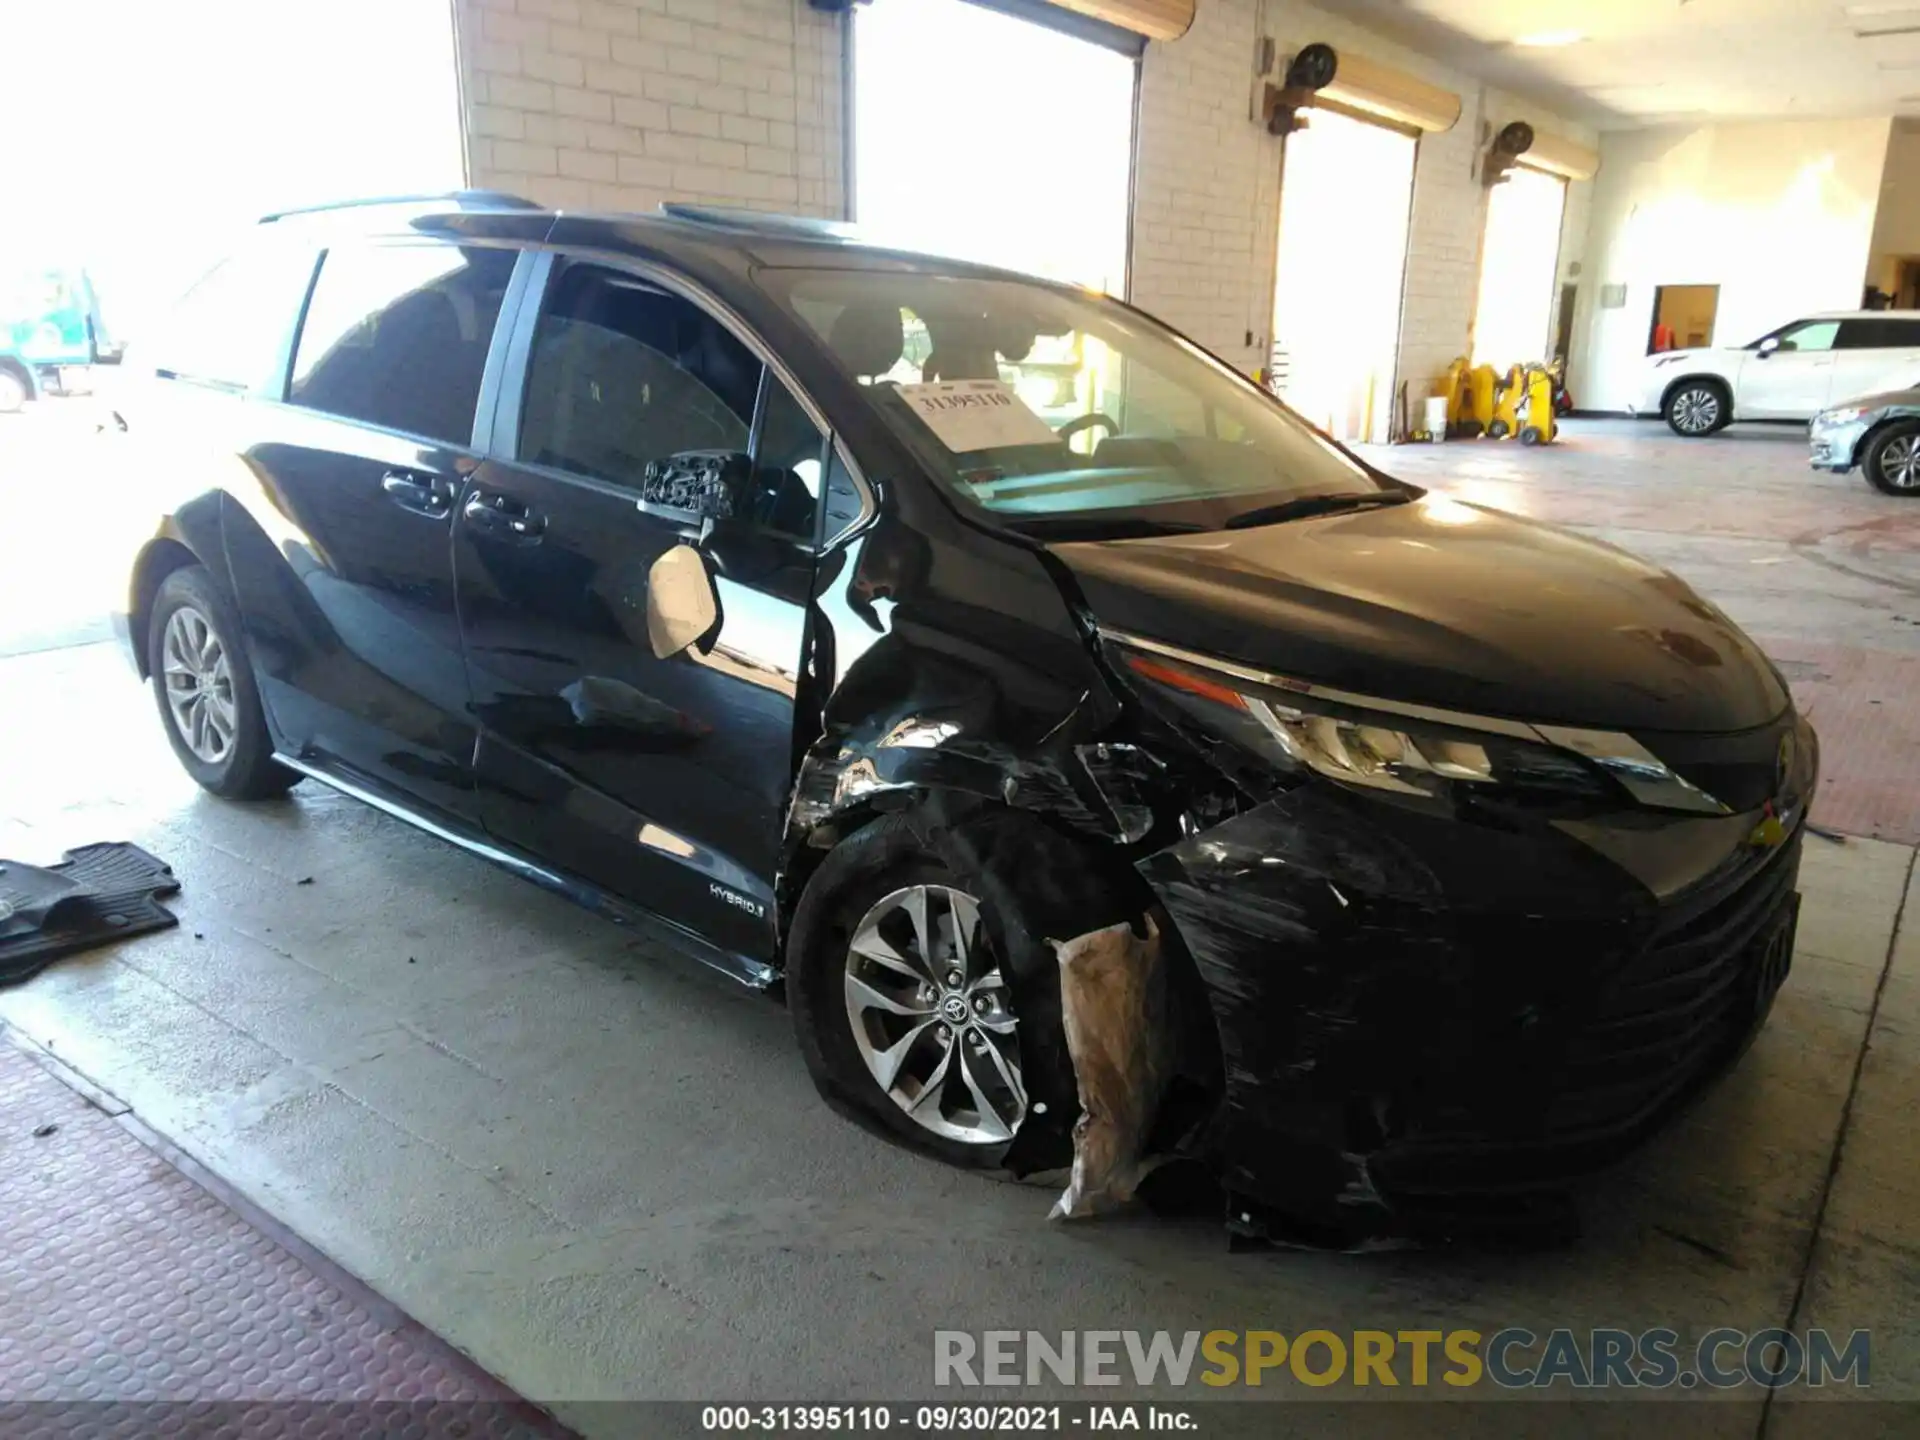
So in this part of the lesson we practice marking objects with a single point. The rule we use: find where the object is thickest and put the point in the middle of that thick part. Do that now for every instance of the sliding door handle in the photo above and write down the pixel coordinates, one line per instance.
(504, 516)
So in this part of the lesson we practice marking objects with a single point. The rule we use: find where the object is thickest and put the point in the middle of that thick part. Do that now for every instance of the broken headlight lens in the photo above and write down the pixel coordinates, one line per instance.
(1366, 749)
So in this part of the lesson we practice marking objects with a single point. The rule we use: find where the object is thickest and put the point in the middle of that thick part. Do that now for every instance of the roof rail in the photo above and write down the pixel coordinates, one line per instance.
(761, 222)
(465, 199)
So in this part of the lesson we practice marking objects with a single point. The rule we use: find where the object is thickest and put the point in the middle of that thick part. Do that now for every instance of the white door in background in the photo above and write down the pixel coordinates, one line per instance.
(1346, 193)
(1794, 381)
(991, 138)
(1519, 262)
(1875, 354)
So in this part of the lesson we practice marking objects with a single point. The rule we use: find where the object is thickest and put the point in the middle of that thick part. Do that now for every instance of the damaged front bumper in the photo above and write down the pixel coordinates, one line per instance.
(1423, 1020)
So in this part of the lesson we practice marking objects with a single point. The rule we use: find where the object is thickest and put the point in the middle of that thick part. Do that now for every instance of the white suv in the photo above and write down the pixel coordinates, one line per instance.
(1791, 374)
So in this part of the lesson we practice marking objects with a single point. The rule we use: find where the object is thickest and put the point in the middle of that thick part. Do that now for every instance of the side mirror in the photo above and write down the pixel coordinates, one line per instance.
(697, 488)
(1768, 346)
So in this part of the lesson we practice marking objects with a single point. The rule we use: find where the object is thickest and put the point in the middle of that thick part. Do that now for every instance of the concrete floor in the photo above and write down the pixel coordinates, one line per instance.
(604, 1174)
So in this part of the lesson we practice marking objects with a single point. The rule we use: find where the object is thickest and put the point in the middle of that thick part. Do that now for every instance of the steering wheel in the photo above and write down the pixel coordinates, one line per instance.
(1086, 422)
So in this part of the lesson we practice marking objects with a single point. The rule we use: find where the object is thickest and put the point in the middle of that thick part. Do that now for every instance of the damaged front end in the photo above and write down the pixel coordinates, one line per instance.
(1383, 970)
(1442, 994)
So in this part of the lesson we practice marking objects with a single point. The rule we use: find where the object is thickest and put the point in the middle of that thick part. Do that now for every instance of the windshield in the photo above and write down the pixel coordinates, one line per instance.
(1061, 412)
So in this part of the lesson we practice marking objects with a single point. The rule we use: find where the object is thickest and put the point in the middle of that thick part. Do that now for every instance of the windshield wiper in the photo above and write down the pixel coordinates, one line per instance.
(1302, 506)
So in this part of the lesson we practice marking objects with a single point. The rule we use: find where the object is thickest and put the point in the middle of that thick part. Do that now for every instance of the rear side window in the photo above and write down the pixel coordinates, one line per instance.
(1882, 333)
(623, 373)
(397, 336)
(229, 329)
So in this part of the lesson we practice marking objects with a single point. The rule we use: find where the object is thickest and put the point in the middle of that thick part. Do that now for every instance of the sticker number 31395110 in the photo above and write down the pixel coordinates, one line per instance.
(968, 415)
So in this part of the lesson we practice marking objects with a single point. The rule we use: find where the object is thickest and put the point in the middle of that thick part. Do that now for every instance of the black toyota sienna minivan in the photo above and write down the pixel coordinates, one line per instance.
(875, 620)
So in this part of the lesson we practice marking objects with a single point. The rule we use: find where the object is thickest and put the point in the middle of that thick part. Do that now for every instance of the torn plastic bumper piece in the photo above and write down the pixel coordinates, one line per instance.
(1113, 1007)
(1418, 1017)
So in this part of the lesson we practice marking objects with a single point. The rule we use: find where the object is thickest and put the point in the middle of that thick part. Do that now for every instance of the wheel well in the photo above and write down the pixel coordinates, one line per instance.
(14, 367)
(159, 560)
(1200, 1059)
(1892, 421)
(1666, 396)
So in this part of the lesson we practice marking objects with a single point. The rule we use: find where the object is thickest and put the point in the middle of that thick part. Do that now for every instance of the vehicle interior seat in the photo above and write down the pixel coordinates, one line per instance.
(868, 338)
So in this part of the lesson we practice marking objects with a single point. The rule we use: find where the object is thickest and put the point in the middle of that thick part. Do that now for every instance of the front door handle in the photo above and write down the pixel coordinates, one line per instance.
(504, 516)
(423, 494)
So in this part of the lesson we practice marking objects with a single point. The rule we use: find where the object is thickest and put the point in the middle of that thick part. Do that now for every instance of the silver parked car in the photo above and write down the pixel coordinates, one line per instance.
(1879, 433)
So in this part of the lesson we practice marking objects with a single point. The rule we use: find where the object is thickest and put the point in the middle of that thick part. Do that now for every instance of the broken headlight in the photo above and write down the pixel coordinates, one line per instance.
(1368, 749)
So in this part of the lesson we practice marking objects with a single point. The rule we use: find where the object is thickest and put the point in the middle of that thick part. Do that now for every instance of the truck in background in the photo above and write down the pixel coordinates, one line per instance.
(50, 328)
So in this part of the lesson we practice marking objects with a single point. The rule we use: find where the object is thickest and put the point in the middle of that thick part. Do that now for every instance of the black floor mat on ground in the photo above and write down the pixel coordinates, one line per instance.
(96, 894)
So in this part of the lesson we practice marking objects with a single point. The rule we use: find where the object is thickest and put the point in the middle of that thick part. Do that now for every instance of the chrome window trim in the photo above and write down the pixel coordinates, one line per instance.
(743, 332)
(1640, 772)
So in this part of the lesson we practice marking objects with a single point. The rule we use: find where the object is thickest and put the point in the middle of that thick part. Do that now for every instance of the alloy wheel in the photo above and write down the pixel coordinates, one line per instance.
(1900, 462)
(931, 1016)
(1696, 411)
(198, 680)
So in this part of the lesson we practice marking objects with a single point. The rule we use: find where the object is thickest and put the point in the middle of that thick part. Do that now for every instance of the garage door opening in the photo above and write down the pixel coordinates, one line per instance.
(1683, 317)
(1345, 198)
(1519, 261)
(1029, 169)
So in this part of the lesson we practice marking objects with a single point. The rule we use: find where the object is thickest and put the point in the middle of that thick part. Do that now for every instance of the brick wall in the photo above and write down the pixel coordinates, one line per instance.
(1206, 190)
(620, 104)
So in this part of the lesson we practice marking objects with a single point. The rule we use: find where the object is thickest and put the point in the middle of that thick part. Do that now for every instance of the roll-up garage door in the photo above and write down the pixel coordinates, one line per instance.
(1520, 249)
(1031, 171)
(1374, 91)
(1154, 19)
(1346, 193)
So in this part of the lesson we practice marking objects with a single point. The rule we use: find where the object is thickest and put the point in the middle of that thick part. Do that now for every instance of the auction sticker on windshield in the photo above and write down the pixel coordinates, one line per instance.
(968, 415)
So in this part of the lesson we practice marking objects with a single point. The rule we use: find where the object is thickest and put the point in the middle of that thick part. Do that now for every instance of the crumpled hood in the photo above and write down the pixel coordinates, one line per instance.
(1444, 604)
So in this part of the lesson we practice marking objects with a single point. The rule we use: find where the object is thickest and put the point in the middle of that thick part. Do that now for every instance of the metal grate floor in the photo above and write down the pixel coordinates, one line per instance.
(135, 1302)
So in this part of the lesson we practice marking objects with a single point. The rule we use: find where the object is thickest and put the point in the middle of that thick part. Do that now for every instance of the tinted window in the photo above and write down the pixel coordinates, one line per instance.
(1878, 334)
(397, 336)
(1810, 335)
(228, 329)
(787, 461)
(623, 373)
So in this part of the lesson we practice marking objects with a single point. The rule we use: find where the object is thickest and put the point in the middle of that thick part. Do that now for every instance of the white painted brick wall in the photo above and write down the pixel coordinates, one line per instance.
(1205, 186)
(620, 104)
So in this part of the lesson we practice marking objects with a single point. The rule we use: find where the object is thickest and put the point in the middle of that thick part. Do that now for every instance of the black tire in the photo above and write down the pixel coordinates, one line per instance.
(1032, 885)
(1695, 409)
(15, 390)
(1891, 461)
(1497, 430)
(246, 770)
(1530, 435)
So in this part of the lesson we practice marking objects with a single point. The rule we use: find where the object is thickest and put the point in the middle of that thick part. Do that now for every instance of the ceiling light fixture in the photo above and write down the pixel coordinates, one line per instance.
(1547, 39)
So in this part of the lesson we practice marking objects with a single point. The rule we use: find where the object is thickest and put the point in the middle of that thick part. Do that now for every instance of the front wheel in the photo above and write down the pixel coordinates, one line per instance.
(205, 692)
(925, 994)
(1698, 408)
(1892, 461)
